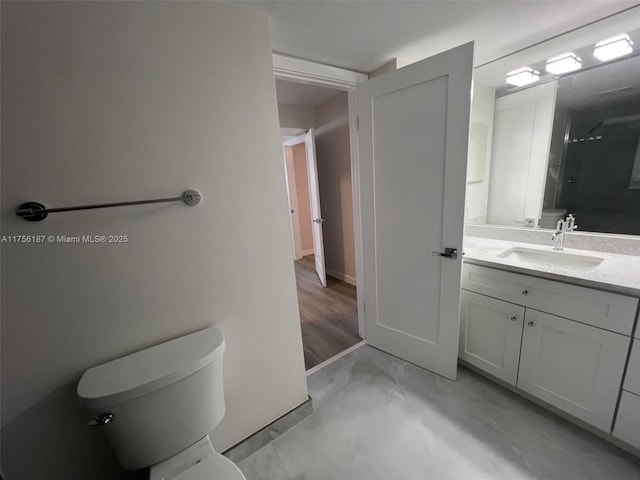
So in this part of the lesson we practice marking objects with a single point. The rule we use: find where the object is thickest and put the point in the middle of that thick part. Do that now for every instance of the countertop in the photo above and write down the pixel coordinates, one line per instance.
(617, 273)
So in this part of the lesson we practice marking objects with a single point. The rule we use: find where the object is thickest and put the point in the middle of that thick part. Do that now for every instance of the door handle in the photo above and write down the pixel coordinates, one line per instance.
(448, 253)
(319, 220)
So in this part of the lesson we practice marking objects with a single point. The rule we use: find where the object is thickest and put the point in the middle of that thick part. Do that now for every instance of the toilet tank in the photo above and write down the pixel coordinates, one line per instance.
(550, 217)
(163, 399)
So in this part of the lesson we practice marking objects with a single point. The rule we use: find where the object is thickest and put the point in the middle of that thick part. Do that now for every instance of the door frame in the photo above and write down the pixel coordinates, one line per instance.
(312, 73)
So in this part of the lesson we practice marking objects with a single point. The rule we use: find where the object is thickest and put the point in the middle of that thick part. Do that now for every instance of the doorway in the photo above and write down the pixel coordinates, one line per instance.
(316, 144)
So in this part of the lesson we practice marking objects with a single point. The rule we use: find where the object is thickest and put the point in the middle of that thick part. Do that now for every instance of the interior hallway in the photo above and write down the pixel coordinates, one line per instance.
(377, 417)
(329, 316)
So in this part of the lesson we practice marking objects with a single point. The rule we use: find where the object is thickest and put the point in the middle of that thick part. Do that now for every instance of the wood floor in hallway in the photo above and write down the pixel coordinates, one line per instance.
(329, 316)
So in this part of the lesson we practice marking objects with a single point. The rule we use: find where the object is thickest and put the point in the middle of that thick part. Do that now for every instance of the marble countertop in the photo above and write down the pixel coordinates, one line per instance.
(617, 273)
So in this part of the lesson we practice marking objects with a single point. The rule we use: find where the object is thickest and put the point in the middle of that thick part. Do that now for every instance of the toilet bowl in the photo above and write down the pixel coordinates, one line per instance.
(198, 462)
(158, 406)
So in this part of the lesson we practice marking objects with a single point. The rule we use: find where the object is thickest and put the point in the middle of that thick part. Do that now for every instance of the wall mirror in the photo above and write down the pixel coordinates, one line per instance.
(562, 135)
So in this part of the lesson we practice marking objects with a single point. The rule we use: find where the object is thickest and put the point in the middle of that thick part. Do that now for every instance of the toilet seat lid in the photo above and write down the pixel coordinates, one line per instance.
(214, 467)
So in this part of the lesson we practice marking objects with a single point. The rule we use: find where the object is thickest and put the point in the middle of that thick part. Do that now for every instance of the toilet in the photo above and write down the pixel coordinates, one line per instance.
(550, 217)
(158, 406)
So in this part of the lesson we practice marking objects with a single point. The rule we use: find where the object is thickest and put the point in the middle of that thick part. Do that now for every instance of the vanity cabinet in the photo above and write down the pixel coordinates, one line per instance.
(600, 309)
(564, 344)
(490, 334)
(575, 367)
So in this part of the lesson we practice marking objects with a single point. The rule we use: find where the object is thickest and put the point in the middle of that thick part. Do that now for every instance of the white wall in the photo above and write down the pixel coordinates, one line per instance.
(336, 196)
(479, 161)
(121, 101)
(296, 116)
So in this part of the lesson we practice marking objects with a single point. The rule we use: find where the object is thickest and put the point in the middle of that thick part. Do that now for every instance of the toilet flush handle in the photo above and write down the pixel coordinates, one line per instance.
(101, 420)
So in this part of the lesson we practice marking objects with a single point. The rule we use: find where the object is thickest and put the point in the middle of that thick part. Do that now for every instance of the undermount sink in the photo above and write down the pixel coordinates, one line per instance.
(552, 258)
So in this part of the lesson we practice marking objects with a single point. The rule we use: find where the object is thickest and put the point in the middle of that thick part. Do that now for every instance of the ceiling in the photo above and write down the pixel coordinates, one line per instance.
(302, 94)
(363, 35)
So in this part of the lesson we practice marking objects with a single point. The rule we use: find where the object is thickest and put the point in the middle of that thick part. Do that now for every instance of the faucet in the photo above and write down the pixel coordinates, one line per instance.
(564, 225)
(558, 235)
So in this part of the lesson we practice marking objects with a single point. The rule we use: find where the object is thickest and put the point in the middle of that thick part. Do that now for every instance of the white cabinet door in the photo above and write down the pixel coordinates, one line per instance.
(490, 335)
(628, 420)
(572, 366)
(632, 379)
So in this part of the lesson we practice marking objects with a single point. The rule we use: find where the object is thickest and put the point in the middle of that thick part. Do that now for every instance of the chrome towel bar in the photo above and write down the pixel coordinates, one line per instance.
(36, 212)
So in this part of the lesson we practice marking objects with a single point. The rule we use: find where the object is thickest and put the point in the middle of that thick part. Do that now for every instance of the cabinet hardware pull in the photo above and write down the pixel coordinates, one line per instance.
(514, 318)
(530, 324)
(525, 292)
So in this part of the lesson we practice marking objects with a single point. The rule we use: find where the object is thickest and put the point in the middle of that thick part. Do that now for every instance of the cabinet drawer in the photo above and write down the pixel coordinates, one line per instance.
(627, 426)
(632, 379)
(490, 334)
(586, 305)
(575, 367)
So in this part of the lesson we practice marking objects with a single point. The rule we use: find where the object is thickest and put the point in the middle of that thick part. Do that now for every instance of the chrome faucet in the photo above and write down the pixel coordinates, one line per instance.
(564, 225)
(558, 235)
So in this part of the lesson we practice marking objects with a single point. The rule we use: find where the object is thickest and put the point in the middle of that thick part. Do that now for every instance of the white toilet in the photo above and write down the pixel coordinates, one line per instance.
(550, 217)
(157, 407)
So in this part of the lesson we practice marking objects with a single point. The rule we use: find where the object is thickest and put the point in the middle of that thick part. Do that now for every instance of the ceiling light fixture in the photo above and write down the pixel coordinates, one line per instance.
(567, 62)
(522, 76)
(613, 47)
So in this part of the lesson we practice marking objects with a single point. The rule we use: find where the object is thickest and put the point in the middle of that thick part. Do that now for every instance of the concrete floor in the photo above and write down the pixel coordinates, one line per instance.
(379, 418)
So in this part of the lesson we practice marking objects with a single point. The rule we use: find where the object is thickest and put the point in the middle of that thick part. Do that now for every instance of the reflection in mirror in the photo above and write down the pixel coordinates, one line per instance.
(566, 144)
(594, 170)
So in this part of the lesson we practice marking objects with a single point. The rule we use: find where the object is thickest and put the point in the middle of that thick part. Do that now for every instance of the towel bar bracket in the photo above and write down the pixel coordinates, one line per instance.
(34, 211)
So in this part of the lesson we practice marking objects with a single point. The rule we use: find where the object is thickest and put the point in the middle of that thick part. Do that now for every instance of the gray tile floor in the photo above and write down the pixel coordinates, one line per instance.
(379, 418)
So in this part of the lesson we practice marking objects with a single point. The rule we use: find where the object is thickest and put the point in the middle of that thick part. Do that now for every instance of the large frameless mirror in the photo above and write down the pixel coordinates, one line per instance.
(560, 136)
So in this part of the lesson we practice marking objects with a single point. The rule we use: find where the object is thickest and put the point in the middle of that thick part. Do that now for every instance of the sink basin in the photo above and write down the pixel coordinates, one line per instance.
(552, 258)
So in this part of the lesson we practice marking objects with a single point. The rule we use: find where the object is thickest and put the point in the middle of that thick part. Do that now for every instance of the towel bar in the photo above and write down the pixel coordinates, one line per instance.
(36, 212)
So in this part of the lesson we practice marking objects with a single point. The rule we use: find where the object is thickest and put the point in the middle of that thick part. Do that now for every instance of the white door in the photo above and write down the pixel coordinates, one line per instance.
(575, 367)
(490, 335)
(522, 126)
(412, 140)
(316, 213)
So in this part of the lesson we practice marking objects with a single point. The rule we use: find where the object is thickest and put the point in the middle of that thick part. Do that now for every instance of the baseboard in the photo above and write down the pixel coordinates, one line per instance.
(265, 435)
(320, 366)
(307, 252)
(341, 276)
